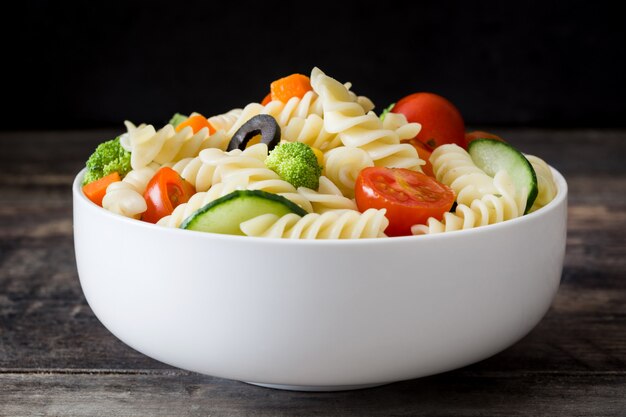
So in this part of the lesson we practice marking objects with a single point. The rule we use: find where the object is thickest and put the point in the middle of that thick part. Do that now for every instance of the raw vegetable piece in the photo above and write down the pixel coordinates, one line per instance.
(177, 119)
(294, 85)
(320, 156)
(225, 214)
(96, 190)
(296, 163)
(424, 154)
(196, 122)
(441, 121)
(385, 111)
(166, 190)
(267, 99)
(254, 140)
(492, 155)
(409, 197)
(109, 157)
(261, 124)
(479, 134)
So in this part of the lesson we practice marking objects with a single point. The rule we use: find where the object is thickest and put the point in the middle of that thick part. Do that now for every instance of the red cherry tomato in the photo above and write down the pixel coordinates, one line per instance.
(410, 197)
(424, 154)
(441, 121)
(164, 192)
(479, 134)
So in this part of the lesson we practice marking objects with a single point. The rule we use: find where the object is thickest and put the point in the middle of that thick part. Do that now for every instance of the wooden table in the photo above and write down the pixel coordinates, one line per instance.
(57, 359)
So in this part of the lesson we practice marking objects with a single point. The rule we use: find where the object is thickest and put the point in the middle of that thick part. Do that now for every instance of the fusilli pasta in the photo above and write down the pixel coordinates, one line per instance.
(338, 224)
(166, 145)
(454, 167)
(327, 197)
(126, 197)
(226, 120)
(310, 130)
(489, 209)
(358, 129)
(342, 166)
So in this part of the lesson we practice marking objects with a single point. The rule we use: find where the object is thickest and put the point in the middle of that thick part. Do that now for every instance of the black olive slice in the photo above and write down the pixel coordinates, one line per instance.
(261, 124)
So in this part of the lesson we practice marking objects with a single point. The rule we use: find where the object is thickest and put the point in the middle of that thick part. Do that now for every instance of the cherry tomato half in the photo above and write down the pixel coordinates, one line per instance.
(441, 121)
(410, 197)
(166, 190)
(479, 134)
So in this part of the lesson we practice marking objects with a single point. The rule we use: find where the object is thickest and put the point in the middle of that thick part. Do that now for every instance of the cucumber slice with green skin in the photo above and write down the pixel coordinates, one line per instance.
(492, 156)
(225, 214)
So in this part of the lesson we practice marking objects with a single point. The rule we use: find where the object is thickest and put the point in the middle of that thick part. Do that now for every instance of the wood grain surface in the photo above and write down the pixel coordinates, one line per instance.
(57, 359)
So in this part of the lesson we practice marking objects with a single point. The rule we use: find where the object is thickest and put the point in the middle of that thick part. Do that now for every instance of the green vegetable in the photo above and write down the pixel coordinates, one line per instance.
(177, 119)
(225, 214)
(109, 157)
(296, 163)
(387, 110)
(493, 155)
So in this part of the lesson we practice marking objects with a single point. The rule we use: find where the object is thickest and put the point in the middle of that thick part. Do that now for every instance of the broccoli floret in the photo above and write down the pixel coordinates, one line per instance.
(296, 163)
(109, 157)
(385, 111)
(177, 119)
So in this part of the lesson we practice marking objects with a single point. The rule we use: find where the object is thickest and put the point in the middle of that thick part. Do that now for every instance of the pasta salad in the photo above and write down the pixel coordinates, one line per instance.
(314, 161)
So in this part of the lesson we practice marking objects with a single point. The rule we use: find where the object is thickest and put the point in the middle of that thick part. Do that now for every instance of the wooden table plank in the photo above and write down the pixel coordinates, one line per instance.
(56, 358)
(165, 394)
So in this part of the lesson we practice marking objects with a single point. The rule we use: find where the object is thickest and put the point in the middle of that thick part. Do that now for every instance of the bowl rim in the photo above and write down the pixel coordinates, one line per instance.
(558, 200)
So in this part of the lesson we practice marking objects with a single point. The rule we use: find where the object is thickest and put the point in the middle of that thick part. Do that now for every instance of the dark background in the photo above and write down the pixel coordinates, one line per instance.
(95, 64)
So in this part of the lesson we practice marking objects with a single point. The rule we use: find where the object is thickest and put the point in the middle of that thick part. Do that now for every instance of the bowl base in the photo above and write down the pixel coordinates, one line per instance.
(317, 388)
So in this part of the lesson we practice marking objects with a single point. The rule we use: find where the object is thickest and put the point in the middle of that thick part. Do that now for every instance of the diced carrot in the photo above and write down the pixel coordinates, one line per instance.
(294, 85)
(96, 190)
(196, 122)
(267, 99)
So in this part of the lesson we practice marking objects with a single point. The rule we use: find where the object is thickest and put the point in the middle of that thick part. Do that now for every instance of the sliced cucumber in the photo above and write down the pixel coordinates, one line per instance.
(225, 214)
(492, 156)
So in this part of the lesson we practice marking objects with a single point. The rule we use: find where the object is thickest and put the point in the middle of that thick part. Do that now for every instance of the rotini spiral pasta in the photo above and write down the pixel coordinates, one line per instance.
(226, 120)
(247, 113)
(454, 167)
(342, 166)
(398, 123)
(207, 169)
(166, 145)
(366, 103)
(327, 197)
(198, 174)
(282, 112)
(310, 130)
(294, 107)
(489, 209)
(301, 109)
(338, 224)
(126, 197)
(358, 129)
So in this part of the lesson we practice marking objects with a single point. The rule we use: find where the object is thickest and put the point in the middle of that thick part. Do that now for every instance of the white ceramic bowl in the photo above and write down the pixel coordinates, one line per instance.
(319, 315)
